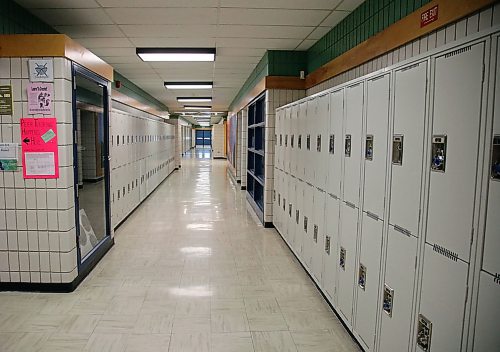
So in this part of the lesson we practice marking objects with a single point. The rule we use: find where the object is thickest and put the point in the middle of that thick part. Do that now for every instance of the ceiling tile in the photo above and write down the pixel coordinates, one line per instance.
(173, 42)
(141, 15)
(57, 4)
(157, 3)
(91, 31)
(306, 44)
(228, 51)
(57, 17)
(319, 32)
(334, 18)
(121, 59)
(91, 43)
(169, 31)
(274, 16)
(259, 43)
(236, 31)
(283, 4)
(350, 5)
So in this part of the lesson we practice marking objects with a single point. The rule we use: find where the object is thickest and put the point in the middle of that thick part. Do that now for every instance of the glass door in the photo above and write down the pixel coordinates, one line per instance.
(91, 166)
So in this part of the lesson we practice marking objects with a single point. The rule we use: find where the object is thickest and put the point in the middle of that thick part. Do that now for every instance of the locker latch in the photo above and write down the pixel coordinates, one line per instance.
(274, 195)
(297, 216)
(281, 140)
(424, 332)
(388, 300)
(286, 140)
(495, 158)
(315, 233)
(331, 146)
(284, 204)
(299, 142)
(305, 224)
(438, 153)
(327, 244)
(291, 140)
(318, 143)
(362, 276)
(342, 258)
(397, 149)
(369, 147)
(279, 199)
(308, 142)
(347, 145)
(290, 209)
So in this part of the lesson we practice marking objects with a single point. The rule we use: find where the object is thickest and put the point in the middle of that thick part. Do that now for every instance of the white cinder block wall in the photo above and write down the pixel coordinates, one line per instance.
(142, 155)
(218, 140)
(37, 217)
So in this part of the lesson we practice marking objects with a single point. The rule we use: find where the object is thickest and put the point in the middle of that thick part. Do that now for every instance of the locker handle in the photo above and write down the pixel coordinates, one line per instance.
(349, 204)
(372, 215)
(402, 230)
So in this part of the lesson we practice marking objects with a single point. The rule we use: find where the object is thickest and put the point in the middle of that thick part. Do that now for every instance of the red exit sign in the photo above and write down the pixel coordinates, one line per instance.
(429, 16)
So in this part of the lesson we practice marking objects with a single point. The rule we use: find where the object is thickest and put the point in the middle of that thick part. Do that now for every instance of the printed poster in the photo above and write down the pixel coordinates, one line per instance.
(40, 97)
(39, 147)
(41, 70)
(6, 100)
(8, 156)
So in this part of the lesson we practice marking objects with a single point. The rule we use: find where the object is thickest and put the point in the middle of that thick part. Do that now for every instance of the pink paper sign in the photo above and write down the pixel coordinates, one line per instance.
(39, 147)
(40, 97)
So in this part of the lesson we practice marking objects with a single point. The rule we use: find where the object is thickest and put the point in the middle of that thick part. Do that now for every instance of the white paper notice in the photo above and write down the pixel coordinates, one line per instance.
(42, 164)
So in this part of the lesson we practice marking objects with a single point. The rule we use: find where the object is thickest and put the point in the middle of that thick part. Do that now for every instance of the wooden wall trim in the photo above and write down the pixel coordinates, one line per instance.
(53, 45)
(254, 93)
(285, 82)
(394, 36)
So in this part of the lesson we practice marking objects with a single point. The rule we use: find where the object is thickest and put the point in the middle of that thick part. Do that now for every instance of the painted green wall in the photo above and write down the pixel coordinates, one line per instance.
(370, 18)
(14, 19)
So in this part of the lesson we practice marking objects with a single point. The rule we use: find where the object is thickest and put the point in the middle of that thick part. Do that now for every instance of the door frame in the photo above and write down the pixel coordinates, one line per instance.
(100, 250)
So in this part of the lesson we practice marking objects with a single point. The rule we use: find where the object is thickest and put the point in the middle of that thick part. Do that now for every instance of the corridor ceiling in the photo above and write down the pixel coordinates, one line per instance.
(240, 30)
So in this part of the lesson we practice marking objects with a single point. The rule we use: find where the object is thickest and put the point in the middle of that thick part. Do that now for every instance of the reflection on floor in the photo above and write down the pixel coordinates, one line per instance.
(201, 152)
(192, 270)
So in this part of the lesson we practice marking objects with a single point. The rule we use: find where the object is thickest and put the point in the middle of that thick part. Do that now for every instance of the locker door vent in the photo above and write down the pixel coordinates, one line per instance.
(496, 279)
(446, 252)
(410, 67)
(459, 51)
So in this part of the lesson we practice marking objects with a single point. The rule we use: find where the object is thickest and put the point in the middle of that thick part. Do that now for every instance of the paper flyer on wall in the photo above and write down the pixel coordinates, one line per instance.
(8, 156)
(40, 97)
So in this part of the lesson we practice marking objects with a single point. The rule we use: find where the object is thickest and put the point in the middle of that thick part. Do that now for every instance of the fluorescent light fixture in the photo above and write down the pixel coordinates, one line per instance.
(176, 54)
(192, 107)
(194, 99)
(188, 85)
(204, 124)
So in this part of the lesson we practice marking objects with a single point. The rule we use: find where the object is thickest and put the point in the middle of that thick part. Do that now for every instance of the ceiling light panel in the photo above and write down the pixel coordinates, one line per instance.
(193, 107)
(188, 85)
(194, 99)
(176, 54)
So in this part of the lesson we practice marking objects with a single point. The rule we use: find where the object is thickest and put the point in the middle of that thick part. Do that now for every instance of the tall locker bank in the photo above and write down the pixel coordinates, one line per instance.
(401, 234)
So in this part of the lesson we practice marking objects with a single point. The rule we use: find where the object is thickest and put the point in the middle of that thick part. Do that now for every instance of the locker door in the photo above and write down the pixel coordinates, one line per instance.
(277, 147)
(396, 310)
(301, 141)
(352, 142)
(321, 141)
(293, 142)
(410, 84)
(309, 140)
(346, 259)
(299, 215)
(444, 289)
(491, 259)
(330, 256)
(456, 119)
(284, 205)
(488, 314)
(307, 222)
(367, 279)
(318, 235)
(335, 143)
(286, 140)
(290, 210)
(279, 199)
(276, 191)
(377, 125)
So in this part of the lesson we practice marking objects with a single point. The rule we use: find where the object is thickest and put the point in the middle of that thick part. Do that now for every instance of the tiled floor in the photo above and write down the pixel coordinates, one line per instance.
(191, 270)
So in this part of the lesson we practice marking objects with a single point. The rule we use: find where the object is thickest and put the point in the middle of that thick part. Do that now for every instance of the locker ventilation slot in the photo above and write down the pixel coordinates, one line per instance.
(446, 252)
(402, 230)
(410, 67)
(459, 51)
